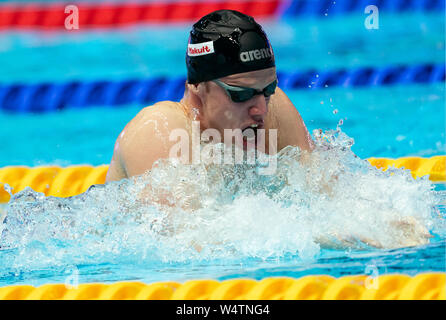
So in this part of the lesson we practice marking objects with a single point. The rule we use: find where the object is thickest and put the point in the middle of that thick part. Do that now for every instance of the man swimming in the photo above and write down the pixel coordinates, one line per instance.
(231, 84)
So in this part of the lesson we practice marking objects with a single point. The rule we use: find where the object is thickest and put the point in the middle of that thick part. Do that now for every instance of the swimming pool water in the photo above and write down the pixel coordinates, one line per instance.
(389, 122)
(247, 225)
(152, 50)
(394, 121)
(410, 261)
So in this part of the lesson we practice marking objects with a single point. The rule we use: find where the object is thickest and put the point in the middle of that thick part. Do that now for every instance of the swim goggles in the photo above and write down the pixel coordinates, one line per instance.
(242, 94)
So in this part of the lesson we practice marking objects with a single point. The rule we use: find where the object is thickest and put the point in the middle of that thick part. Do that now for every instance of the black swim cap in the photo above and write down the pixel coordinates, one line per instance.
(226, 42)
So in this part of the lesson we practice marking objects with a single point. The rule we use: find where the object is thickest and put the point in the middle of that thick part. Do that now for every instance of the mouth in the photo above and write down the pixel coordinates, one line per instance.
(250, 132)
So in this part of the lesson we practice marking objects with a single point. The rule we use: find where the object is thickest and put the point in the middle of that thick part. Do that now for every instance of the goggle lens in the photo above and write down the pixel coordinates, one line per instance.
(241, 94)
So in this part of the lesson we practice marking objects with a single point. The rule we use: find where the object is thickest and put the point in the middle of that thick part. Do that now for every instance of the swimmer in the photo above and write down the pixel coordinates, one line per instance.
(231, 84)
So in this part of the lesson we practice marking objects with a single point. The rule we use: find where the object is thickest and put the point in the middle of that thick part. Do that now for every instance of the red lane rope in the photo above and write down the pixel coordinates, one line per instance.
(116, 14)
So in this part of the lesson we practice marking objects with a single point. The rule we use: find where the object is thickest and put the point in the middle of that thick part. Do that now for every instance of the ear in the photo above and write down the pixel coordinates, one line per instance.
(196, 88)
(197, 92)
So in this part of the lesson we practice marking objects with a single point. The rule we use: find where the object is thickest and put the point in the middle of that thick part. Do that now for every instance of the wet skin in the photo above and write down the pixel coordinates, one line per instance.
(145, 138)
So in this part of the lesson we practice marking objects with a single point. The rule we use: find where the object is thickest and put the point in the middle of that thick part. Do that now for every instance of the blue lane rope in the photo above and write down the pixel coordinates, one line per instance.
(292, 8)
(45, 97)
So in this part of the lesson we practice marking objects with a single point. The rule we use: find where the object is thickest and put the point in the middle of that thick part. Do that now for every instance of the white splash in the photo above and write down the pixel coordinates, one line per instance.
(327, 198)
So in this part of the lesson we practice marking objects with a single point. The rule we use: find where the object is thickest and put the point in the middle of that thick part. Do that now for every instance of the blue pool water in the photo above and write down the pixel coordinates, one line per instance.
(391, 121)
(229, 223)
(148, 51)
(410, 261)
(87, 137)
(374, 117)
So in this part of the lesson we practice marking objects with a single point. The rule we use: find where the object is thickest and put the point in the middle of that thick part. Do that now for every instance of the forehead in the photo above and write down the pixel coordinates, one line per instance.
(252, 79)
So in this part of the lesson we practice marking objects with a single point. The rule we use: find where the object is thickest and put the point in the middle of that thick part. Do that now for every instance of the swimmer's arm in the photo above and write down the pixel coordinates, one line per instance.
(292, 130)
(116, 168)
(405, 232)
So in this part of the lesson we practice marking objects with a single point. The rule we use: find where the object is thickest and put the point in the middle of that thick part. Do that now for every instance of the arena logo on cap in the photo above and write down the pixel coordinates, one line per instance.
(257, 54)
(199, 49)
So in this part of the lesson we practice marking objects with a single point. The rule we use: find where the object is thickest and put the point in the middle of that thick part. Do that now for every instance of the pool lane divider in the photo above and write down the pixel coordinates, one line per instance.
(46, 97)
(330, 8)
(106, 15)
(423, 286)
(74, 180)
(36, 15)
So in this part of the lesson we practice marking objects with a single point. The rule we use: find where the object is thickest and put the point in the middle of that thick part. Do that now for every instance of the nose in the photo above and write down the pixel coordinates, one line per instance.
(259, 106)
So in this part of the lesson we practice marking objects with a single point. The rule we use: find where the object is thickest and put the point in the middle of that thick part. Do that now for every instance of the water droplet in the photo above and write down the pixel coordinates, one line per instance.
(8, 188)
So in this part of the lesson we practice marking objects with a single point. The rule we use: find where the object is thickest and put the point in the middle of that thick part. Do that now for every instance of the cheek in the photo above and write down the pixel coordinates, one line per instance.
(222, 109)
(229, 115)
(233, 114)
(223, 112)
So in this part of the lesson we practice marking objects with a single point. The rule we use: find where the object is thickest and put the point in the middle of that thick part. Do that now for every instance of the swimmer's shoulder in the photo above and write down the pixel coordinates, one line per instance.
(285, 117)
(145, 139)
(170, 112)
(154, 122)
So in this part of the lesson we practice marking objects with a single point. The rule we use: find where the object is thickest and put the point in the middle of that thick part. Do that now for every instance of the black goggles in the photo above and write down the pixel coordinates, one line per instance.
(242, 94)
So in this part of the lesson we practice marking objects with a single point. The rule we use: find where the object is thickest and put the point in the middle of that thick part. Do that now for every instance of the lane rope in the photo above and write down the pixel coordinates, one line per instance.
(52, 15)
(47, 97)
(424, 286)
(108, 15)
(74, 180)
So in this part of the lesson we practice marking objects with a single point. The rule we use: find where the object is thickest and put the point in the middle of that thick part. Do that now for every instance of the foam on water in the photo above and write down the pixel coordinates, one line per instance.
(329, 198)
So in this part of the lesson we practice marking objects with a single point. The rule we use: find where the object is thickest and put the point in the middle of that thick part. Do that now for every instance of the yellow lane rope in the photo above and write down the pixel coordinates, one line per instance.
(73, 180)
(64, 182)
(430, 286)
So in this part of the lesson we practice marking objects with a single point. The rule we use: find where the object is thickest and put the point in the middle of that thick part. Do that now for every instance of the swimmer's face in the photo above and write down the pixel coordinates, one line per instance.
(220, 112)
